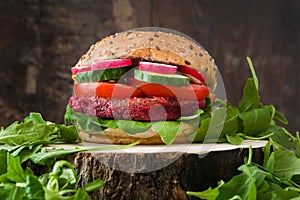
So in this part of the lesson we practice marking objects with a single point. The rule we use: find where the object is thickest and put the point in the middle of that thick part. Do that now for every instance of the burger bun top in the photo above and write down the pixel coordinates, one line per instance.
(154, 46)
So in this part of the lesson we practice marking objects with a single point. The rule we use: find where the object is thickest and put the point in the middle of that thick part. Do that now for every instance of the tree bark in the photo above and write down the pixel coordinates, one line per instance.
(132, 174)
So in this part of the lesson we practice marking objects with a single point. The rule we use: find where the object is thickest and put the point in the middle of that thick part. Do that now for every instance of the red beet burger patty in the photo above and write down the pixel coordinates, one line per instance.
(136, 108)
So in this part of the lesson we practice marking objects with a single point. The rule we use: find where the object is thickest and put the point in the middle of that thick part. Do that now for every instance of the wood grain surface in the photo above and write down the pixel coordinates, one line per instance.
(41, 40)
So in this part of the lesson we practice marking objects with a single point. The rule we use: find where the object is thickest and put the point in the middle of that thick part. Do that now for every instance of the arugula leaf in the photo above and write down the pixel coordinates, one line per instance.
(194, 116)
(251, 98)
(81, 194)
(216, 124)
(34, 189)
(201, 131)
(209, 194)
(297, 145)
(95, 185)
(3, 162)
(223, 121)
(168, 130)
(36, 118)
(232, 122)
(285, 164)
(15, 172)
(12, 192)
(45, 157)
(256, 120)
(67, 134)
(25, 133)
(278, 134)
(133, 127)
(255, 79)
(235, 139)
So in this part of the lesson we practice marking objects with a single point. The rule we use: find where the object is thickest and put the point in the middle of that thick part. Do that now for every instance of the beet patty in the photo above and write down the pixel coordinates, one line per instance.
(136, 108)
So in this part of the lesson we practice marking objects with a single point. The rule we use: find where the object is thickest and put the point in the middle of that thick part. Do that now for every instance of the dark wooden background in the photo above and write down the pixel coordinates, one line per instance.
(41, 40)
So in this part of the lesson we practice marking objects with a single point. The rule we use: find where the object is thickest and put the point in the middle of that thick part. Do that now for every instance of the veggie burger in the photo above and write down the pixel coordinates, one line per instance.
(146, 86)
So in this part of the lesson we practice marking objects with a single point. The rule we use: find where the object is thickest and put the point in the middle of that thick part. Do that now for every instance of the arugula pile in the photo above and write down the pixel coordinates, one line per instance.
(27, 138)
(59, 184)
(26, 142)
(279, 176)
(249, 120)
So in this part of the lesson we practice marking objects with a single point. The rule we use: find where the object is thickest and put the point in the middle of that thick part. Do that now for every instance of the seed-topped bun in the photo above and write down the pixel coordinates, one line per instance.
(153, 46)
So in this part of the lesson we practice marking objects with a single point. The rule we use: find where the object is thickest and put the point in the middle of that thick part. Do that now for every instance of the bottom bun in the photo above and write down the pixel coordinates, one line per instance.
(118, 136)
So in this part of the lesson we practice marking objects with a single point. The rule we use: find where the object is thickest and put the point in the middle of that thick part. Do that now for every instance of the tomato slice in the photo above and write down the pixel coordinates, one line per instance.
(106, 90)
(140, 89)
(194, 75)
(190, 92)
(85, 89)
(201, 91)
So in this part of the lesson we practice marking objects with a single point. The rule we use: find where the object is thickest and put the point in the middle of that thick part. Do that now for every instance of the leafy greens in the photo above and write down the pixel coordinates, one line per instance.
(19, 184)
(279, 176)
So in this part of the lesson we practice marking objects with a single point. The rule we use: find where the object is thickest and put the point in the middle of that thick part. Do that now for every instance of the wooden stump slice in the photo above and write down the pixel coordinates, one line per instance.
(161, 172)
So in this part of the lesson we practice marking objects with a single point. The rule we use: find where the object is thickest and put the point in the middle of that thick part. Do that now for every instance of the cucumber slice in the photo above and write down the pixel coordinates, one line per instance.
(170, 79)
(101, 75)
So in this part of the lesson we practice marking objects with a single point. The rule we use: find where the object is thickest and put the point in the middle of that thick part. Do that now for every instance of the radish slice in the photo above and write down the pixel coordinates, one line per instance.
(111, 64)
(76, 70)
(157, 68)
(194, 75)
